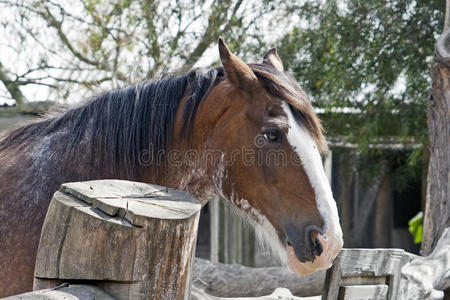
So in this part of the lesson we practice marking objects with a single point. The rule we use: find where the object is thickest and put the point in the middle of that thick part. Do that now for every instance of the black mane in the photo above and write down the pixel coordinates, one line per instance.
(122, 123)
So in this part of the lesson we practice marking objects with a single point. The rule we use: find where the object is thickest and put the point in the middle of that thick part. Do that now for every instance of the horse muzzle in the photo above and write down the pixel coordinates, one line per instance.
(316, 251)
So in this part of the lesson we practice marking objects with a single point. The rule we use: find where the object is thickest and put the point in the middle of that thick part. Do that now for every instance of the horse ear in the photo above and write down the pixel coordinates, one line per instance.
(236, 71)
(272, 59)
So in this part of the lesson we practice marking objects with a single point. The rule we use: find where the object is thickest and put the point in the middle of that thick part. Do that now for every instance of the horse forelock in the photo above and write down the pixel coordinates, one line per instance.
(283, 86)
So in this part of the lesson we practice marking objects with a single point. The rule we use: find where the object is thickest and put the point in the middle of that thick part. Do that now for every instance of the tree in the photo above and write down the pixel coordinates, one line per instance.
(370, 57)
(437, 212)
(64, 49)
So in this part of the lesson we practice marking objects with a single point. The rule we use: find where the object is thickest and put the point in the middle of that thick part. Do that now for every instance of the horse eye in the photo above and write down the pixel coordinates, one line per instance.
(272, 136)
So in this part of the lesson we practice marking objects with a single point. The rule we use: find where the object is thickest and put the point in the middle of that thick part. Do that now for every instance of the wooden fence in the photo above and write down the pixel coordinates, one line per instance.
(112, 239)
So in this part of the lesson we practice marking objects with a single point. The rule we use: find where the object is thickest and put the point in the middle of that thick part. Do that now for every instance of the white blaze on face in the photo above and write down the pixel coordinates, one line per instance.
(303, 144)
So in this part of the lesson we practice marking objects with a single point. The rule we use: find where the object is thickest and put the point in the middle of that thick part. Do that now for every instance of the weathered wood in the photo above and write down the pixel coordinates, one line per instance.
(198, 293)
(427, 277)
(328, 165)
(65, 292)
(214, 228)
(437, 210)
(222, 280)
(358, 292)
(134, 240)
(356, 267)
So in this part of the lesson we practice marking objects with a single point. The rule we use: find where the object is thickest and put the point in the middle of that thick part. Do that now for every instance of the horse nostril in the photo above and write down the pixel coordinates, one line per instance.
(289, 243)
(312, 234)
(317, 246)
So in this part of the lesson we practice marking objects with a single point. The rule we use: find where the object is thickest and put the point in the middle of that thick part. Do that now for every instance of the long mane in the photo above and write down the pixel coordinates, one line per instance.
(122, 123)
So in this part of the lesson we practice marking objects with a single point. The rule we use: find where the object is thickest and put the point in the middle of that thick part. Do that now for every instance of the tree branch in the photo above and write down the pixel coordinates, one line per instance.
(51, 21)
(12, 87)
(211, 33)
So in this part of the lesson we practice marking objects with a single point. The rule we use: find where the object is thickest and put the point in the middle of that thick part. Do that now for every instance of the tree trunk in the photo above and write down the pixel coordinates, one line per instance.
(437, 211)
(12, 87)
(447, 16)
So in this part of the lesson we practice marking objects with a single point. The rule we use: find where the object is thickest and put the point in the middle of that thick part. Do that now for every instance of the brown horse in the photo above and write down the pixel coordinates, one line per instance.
(247, 132)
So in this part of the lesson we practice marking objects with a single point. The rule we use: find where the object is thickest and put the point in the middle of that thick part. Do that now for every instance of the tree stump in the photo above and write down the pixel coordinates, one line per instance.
(134, 240)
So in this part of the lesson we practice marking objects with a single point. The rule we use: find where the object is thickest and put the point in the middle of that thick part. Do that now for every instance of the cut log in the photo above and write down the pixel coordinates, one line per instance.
(223, 280)
(134, 240)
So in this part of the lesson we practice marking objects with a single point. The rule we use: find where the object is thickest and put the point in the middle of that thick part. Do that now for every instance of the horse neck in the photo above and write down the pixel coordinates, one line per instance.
(188, 171)
(89, 164)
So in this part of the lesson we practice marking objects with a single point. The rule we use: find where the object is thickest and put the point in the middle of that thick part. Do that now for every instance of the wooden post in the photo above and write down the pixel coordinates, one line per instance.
(214, 228)
(345, 178)
(232, 241)
(383, 215)
(134, 240)
(364, 274)
(328, 166)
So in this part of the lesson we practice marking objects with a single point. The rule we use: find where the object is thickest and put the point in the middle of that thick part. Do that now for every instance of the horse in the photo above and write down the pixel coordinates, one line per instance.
(244, 131)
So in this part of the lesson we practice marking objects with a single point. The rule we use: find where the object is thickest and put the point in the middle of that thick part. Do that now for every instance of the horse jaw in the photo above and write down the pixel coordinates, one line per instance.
(268, 237)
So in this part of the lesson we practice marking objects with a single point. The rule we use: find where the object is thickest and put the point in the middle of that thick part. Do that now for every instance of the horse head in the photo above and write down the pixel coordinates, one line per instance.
(269, 167)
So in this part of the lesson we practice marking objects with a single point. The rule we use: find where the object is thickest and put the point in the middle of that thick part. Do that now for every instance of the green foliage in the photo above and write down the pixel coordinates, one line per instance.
(372, 56)
(416, 227)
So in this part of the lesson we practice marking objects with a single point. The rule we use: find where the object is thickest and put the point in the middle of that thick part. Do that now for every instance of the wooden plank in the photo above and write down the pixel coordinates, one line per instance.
(363, 292)
(370, 262)
(214, 228)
